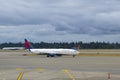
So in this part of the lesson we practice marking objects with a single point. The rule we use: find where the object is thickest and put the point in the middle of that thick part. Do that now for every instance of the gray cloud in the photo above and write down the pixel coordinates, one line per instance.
(45, 18)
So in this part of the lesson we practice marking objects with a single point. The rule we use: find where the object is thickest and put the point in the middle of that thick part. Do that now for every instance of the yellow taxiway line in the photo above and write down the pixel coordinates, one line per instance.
(69, 74)
(19, 69)
(20, 76)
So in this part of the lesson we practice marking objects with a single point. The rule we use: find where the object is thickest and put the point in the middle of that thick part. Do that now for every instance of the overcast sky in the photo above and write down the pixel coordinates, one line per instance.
(60, 20)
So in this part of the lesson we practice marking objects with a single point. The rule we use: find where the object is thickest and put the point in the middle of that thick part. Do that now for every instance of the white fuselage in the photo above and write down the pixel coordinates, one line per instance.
(54, 51)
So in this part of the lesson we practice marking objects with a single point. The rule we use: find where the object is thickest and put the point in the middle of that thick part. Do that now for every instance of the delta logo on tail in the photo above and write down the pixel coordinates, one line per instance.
(51, 52)
(27, 44)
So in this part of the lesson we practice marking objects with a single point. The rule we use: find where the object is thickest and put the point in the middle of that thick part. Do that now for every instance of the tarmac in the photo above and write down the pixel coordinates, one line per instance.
(15, 66)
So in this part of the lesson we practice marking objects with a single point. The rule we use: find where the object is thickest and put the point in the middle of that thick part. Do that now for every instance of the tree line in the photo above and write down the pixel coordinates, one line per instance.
(90, 45)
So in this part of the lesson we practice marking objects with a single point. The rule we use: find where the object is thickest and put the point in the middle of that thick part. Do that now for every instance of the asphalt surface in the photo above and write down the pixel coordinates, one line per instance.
(39, 67)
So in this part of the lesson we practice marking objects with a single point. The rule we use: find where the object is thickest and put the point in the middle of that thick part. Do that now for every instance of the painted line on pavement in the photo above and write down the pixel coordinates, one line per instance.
(40, 69)
(69, 74)
(20, 76)
(19, 69)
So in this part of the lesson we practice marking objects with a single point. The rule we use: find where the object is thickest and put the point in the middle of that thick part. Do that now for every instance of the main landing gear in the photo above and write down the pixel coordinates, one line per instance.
(73, 56)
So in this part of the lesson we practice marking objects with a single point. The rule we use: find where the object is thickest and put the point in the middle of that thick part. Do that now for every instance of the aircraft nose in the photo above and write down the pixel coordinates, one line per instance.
(76, 52)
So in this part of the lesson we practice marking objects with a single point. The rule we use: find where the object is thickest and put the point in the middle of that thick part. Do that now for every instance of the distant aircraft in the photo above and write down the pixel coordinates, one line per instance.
(13, 48)
(51, 52)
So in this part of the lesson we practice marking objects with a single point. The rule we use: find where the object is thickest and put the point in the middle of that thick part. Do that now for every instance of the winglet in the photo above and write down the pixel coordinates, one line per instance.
(78, 47)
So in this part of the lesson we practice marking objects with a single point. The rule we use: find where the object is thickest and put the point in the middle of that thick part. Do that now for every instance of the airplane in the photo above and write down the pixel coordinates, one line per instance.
(13, 48)
(50, 52)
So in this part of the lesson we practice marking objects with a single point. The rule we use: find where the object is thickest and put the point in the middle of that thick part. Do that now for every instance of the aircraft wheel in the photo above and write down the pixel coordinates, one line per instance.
(73, 55)
(48, 56)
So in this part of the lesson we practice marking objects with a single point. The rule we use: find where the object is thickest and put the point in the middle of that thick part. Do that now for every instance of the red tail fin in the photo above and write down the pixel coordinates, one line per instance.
(27, 44)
